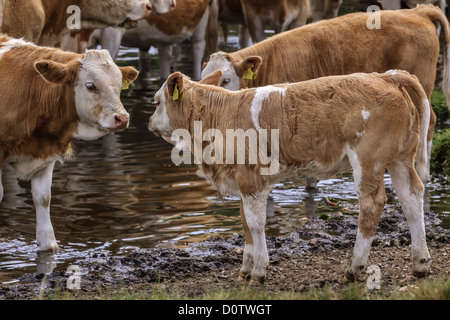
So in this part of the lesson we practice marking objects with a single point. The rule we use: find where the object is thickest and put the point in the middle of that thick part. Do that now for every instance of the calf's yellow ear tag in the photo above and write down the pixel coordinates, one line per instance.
(124, 85)
(248, 74)
(175, 93)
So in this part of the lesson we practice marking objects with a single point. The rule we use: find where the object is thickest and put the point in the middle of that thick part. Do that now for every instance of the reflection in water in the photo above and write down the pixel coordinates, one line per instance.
(123, 192)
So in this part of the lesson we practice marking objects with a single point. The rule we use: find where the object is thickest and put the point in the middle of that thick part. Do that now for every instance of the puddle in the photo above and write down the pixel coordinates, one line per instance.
(123, 192)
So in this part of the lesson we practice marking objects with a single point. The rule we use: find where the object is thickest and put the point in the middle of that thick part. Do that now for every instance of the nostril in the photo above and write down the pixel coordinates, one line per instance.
(148, 6)
(121, 121)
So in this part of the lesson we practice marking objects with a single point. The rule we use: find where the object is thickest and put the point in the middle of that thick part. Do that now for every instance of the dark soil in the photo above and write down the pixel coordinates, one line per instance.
(314, 256)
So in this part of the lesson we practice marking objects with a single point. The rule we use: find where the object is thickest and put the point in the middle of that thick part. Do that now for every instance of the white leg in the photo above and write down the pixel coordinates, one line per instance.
(199, 45)
(41, 189)
(165, 60)
(361, 252)
(255, 215)
(410, 192)
(1, 186)
(144, 62)
(247, 264)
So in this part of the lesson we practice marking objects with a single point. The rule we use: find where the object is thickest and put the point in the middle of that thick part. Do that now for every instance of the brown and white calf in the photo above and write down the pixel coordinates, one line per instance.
(49, 98)
(406, 40)
(364, 122)
(279, 15)
(44, 22)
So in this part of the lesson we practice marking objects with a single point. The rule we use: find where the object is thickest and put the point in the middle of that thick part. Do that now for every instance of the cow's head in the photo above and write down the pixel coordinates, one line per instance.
(163, 6)
(173, 103)
(236, 73)
(96, 81)
(137, 10)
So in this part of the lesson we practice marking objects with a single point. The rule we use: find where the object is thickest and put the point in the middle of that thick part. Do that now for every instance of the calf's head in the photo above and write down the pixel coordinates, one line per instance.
(236, 73)
(174, 102)
(95, 81)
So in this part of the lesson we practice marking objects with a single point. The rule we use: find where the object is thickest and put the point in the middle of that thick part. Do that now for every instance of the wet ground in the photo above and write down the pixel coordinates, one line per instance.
(125, 214)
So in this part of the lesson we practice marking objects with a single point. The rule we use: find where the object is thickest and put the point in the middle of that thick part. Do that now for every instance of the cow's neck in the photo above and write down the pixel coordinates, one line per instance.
(92, 15)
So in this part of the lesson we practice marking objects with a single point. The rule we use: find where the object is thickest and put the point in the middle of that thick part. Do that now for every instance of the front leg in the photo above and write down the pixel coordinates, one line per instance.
(247, 264)
(255, 215)
(41, 183)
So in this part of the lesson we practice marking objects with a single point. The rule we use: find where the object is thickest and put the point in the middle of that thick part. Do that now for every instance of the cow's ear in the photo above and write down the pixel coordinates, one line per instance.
(129, 74)
(55, 72)
(213, 79)
(175, 85)
(249, 66)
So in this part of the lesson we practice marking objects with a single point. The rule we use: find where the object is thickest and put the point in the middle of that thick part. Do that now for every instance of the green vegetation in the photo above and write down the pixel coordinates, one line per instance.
(424, 289)
(440, 153)
(439, 105)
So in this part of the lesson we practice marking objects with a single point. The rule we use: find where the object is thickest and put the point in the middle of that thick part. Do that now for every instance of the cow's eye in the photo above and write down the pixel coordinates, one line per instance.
(225, 81)
(91, 87)
(157, 103)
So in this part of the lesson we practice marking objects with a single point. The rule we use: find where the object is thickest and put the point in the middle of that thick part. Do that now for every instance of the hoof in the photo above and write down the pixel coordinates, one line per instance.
(244, 278)
(257, 281)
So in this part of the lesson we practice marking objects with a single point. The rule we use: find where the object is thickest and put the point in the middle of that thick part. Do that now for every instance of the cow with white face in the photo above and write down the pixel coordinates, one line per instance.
(49, 98)
(163, 6)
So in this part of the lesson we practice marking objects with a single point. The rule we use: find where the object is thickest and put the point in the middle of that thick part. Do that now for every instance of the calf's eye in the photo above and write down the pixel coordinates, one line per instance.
(91, 87)
(225, 81)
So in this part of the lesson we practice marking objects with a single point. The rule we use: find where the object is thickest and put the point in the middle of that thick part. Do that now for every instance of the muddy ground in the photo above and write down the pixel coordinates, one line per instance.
(313, 257)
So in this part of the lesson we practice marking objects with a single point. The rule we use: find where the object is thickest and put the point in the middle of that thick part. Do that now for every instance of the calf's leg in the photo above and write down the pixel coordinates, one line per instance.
(247, 264)
(372, 197)
(41, 183)
(255, 215)
(410, 191)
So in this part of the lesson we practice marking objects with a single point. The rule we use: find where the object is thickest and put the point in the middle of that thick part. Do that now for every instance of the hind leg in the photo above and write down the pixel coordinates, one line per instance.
(372, 197)
(247, 264)
(410, 190)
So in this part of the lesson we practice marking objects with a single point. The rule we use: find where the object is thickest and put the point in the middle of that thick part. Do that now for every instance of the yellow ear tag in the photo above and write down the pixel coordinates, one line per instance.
(124, 85)
(175, 92)
(248, 74)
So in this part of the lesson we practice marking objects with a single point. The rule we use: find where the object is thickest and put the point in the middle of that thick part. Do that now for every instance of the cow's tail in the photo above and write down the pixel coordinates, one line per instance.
(436, 14)
(423, 108)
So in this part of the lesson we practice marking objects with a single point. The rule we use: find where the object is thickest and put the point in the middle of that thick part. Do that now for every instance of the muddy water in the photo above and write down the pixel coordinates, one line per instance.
(123, 192)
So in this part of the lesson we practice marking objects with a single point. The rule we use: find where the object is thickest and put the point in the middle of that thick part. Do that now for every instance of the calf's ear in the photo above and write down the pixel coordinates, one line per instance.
(55, 72)
(129, 74)
(213, 79)
(175, 85)
(249, 66)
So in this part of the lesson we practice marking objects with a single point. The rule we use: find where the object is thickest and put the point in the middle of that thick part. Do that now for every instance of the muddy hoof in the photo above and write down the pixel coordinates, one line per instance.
(257, 281)
(244, 278)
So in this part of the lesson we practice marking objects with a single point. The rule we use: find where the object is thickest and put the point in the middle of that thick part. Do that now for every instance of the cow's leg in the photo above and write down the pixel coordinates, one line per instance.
(311, 182)
(144, 62)
(41, 183)
(1, 185)
(410, 190)
(372, 197)
(255, 216)
(165, 61)
(247, 264)
(244, 37)
(198, 45)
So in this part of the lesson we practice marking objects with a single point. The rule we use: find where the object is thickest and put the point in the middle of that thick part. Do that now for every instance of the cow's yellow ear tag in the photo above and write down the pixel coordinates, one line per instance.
(124, 85)
(248, 74)
(175, 92)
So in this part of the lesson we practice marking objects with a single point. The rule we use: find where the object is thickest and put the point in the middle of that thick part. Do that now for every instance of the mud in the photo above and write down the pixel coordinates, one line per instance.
(314, 256)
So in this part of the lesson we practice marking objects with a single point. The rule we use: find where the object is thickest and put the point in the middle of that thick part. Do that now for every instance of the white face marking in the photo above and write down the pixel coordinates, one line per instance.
(262, 94)
(162, 6)
(159, 121)
(365, 114)
(97, 96)
(139, 10)
(230, 79)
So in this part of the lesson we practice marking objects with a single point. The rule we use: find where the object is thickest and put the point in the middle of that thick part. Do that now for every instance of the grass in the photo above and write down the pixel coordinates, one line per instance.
(425, 289)
(439, 105)
(440, 154)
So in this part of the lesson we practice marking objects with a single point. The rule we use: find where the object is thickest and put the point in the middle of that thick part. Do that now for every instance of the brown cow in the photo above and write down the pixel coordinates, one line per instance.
(44, 22)
(49, 98)
(406, 40)
(364, 122)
